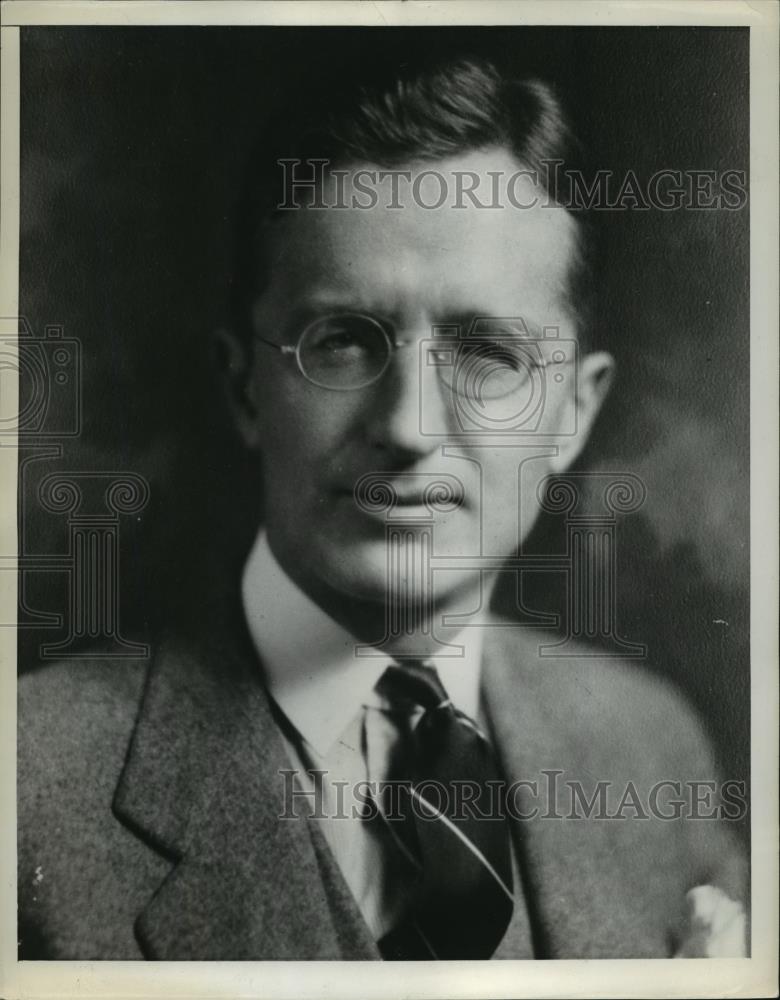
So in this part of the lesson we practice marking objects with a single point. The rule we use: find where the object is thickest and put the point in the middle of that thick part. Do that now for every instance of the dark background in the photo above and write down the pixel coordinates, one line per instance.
(132, 143)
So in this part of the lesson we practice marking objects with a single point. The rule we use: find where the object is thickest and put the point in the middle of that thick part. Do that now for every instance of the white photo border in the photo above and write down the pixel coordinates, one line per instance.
(752, 977)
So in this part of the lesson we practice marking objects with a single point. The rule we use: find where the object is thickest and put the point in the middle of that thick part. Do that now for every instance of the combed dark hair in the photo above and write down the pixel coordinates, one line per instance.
(389, 114)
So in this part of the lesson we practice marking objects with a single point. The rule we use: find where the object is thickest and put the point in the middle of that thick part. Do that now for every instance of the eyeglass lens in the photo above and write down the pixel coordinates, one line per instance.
(351, 351)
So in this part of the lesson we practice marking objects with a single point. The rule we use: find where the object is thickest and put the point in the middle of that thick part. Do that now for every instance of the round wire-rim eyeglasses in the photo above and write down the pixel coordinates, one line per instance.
(461, 376)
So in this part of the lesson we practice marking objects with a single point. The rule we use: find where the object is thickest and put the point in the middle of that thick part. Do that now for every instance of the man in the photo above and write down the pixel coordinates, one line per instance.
(405, 368)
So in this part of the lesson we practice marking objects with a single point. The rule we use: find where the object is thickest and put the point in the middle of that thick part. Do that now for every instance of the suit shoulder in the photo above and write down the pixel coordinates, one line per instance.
(539, 660)
(75, 715)
(70, 691)
(617, 704)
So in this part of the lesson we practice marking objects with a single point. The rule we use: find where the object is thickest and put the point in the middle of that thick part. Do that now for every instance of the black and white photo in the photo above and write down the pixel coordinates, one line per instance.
(384, 494)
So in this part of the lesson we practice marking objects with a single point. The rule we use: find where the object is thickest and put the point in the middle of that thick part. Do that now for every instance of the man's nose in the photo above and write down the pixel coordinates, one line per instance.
(407, 403)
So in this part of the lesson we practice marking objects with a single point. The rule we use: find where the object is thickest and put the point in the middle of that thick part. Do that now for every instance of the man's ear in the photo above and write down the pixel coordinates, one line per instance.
(235, 362)
(595, 375)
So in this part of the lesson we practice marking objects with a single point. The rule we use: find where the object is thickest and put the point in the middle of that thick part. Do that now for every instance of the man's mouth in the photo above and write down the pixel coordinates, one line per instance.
(383, 492)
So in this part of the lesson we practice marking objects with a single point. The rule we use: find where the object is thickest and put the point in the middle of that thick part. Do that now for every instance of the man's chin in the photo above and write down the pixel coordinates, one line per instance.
(365, 571)
(357, 570)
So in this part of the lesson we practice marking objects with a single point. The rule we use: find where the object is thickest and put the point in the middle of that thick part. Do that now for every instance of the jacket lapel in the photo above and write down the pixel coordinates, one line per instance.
(203, 785)
(583, 879)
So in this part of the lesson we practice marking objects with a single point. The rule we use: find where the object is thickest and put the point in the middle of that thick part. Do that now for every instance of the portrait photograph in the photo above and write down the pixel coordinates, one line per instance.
(395, 550)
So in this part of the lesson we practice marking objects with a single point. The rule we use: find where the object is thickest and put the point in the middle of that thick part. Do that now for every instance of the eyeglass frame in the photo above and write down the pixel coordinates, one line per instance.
(293, 350)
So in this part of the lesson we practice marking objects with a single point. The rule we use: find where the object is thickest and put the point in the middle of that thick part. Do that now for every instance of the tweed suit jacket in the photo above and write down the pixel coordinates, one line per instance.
(149, 801)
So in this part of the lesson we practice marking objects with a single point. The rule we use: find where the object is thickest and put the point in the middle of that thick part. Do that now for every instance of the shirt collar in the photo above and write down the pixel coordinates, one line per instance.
(310, 664)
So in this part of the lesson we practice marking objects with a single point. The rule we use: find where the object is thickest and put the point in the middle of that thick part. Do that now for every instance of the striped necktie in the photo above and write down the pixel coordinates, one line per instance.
(462, 898)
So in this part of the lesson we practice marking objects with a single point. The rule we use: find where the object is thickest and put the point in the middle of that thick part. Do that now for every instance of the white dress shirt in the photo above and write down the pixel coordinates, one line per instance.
(339, 722)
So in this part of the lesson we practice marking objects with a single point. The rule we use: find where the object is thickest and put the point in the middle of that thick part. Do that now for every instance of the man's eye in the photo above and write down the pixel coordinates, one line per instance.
(347, 338)
(338, 339)
(337, 342)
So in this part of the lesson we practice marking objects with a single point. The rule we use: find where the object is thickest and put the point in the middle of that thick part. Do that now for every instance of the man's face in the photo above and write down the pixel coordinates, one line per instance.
(411, 268)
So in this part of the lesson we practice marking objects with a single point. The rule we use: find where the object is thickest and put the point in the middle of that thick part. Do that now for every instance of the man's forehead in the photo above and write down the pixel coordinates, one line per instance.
(386, 225)
(479, 186)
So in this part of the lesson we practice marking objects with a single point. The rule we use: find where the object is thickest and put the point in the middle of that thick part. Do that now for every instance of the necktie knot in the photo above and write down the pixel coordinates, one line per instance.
(416, 682)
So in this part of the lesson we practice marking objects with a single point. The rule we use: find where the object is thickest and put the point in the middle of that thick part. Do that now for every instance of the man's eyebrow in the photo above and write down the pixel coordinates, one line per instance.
(314, 306)
(463, 321)
(324, 301)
